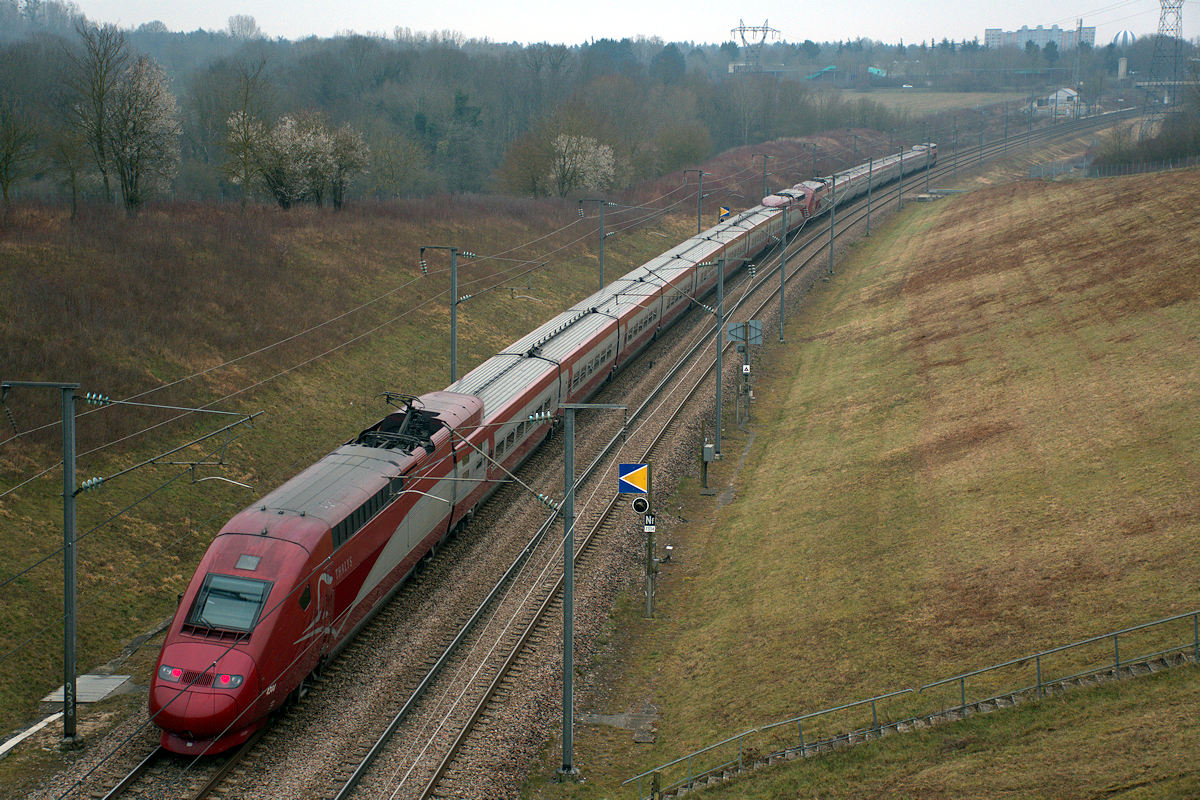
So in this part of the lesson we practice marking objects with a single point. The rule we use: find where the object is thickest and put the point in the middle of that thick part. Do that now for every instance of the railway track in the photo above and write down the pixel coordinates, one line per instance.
(180, 775)
(472, 738)
(511, 633)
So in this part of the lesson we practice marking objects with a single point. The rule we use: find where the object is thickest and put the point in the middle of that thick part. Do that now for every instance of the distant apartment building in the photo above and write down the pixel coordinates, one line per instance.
(1063, 39)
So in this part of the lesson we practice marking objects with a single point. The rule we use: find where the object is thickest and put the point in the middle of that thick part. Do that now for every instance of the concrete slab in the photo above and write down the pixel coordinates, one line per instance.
(90, 688)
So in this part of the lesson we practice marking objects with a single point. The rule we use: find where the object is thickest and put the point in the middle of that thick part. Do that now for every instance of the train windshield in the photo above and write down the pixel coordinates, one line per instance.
(229, 603)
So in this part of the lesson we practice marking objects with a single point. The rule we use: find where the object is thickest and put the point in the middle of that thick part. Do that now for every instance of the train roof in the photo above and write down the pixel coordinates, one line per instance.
(528, 359)
(502, 377)
(325, 492)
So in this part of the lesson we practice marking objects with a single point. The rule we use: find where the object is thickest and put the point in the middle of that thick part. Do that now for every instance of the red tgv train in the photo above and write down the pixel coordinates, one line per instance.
(289, 580)
(811, 198)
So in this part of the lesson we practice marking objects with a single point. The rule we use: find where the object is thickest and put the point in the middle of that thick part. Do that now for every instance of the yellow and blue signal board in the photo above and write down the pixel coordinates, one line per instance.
(633, 479)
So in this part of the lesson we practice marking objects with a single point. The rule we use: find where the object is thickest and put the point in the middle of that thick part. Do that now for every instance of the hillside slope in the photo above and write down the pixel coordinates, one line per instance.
(982, 439)
(306, 316)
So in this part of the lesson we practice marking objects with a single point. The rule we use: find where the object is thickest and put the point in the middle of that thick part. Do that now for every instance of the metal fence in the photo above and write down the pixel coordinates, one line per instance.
(1053, 169)
(1108, 171)
(1080, 167)
(992, 686)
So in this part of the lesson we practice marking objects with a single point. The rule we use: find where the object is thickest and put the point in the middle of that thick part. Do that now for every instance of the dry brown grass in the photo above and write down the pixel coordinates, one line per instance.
(923, 101)
(189, 294)
(982, 441)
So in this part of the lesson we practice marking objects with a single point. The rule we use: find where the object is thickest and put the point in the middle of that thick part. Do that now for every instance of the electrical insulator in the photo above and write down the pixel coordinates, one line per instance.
(467, 254)
(90, 483)
(581, 211)
(751, 269)
(97, 399)
(424, 267)
(547, 501)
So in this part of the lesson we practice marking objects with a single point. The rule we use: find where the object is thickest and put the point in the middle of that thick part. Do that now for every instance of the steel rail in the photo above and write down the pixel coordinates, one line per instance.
(858, 208)
(134, 774)
(702, 341)
(235, 759)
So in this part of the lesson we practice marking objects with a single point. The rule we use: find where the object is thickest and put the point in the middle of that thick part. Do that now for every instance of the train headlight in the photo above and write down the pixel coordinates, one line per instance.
(171, 674)
(228, 681)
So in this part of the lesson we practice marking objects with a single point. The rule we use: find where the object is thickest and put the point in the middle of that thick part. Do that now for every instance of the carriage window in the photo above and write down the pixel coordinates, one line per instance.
(228, 603)
(305, 598)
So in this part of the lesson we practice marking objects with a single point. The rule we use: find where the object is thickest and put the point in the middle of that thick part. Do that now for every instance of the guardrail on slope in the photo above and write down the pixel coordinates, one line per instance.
(1074, 661)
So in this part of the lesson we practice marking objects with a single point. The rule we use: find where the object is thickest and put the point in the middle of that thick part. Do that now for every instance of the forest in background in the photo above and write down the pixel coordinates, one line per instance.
(410, 114)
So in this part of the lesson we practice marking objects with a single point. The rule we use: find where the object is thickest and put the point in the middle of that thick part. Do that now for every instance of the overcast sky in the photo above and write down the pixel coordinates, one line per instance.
(576, 21)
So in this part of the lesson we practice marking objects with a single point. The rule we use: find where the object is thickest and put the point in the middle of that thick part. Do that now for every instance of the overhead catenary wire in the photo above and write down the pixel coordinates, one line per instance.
(292, 337)
(230, 362)
(492, 642)
(233, 394)
(256, 352)
(59, 550)
(559, 543)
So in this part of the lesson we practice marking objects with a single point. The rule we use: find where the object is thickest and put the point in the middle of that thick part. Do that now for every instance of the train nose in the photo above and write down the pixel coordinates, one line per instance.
(202, 690)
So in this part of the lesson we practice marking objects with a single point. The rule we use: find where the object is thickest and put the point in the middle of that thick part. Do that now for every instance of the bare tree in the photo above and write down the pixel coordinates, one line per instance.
(67, 153)
(17, 139)
(244, 26)
(97, 71)
(396, 163)
(244, 130)
(244, 138)
(143, 133)
(350, 156)
(526, 165)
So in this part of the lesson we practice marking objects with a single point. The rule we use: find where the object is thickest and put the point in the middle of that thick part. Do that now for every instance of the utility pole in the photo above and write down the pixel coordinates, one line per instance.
(1006, 128)
(813, 145)
(764, 166)
(833, 214)
(720, 343)
(603, 235)
(70, 556)
(70, 562)
(568, 670)
(1029, 131)
(783, 269)
(870, 181)
(569, 771)
(927, 145)
(454, 298)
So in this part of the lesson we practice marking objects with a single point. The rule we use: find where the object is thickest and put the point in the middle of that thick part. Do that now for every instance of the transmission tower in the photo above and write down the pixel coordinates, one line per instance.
(753, 38)
(1162, 87)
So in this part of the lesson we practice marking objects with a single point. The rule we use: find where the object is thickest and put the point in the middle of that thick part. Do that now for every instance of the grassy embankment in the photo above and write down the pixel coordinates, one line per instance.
(126, 307)
(980, 441)
(926, 101)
